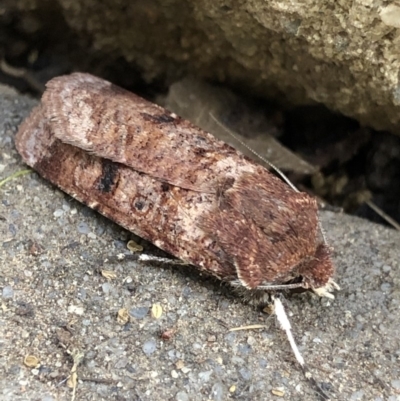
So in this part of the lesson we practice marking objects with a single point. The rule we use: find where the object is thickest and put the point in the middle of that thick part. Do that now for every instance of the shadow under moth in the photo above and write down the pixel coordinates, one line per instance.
(178, 187)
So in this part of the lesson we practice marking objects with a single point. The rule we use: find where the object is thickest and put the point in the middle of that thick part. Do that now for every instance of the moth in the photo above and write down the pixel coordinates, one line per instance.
(176, 186)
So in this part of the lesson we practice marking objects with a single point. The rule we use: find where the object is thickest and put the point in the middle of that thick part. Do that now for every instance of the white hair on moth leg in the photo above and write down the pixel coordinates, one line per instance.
(285, 325)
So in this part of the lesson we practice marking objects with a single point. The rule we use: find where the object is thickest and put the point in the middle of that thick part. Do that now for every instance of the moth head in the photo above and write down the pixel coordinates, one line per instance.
(313, 274)
(317, 272)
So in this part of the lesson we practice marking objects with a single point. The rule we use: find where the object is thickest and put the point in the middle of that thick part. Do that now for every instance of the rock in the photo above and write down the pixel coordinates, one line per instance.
(342, 54)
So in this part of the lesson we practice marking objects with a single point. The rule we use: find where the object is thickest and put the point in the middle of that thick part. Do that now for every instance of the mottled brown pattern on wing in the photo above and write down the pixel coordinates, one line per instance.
(270, 231)
(110, 122)
(148, 207)
(173, 184)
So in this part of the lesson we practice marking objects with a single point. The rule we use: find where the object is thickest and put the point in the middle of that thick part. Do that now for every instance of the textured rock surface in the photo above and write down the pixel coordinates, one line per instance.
(50, 284)
(344, 54)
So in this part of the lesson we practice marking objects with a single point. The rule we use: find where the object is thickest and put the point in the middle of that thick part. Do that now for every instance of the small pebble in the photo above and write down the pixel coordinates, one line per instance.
(205, 376)
(14, 370)
(12, 229)
(230, 338)
(396, 384)
(245, 349)
(279, 392)
(182, 396)
(237, 361)
(121, 363)
(76, 309)
(358, 395)
(251, 340)
(139, 313)
(15, 214)
(83, 228)
(218, 392)
(102, 391)
(58, 213)
(81, 293)
(100, 230)
(106, 287)
(8, 292)
(149, 347)
(385, 287)
(131, 368)
(24, 334)
(263, 363)
(245, 373)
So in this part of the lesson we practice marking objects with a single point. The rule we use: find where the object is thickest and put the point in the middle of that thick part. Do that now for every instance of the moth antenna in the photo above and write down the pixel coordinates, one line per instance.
(286, 326)
(276, 169)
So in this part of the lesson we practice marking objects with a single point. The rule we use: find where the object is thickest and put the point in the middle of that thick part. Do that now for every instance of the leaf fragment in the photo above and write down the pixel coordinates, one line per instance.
(109, 274)
(279, 392)
(156, 311)
(31, 361)
(134, 247)
(123, 316)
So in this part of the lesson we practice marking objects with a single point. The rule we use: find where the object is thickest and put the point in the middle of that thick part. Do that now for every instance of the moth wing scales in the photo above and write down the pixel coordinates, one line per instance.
(77, 173)
(88, 112)
(172, 151)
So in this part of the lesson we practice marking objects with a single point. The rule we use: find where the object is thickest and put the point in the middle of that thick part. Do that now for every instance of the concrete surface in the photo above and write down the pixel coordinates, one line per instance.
(51, 291)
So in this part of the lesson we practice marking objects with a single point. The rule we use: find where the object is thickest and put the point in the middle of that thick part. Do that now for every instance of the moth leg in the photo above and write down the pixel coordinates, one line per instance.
(326, 290)
(142, 257)
(280, 287)
(286, 326)
(238, 283)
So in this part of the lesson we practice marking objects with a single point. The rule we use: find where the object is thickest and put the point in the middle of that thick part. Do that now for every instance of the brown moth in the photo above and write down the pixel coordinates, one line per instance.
(175, 185)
